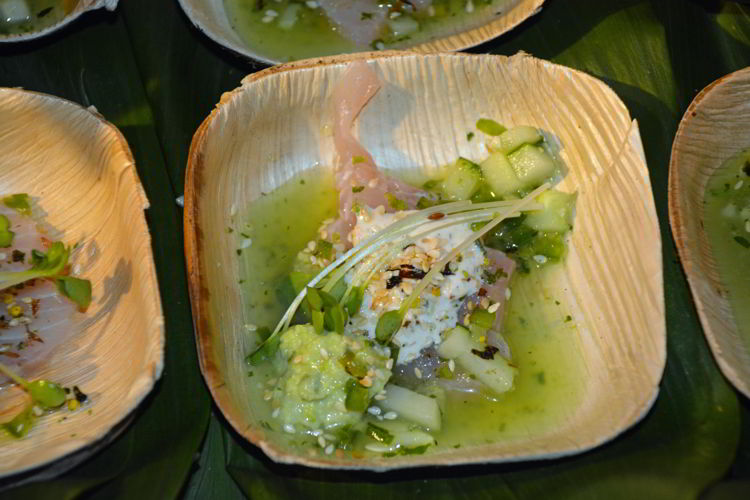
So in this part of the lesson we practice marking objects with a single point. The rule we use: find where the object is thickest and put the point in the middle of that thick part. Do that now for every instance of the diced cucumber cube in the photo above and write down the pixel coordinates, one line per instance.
(557, 214)
(499, 175)
(495, 373)
(412, 406)
(457, 342)
(403, 25)
(463, 181)
(514, 138)
(532, 165)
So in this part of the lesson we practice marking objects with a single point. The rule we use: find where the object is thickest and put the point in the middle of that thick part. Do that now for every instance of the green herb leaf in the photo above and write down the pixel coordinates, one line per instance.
(19, 202)
(490, 127)
(742, 241)
(357, 189)
(314, 300)
(358, 159)
(76, 289)
(354, 302)
(6, 235)
(265, 352)
(47, 265)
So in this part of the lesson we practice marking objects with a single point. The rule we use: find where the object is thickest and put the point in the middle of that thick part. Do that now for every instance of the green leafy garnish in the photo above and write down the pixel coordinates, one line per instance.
(417, 450)
(6, 235)
(742, 241)
(18, 202)
(76, 289)
(357, 189)
(358, 159)
(490, 127)
(324, 249)
(45, 265)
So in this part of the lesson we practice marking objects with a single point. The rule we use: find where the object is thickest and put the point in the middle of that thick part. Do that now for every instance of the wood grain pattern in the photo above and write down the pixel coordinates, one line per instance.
(80, 171)
(210, 17)
(715, 127)
(272, 127)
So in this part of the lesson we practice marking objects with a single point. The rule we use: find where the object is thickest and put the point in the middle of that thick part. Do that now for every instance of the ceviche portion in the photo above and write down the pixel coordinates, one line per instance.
(294, 29)
(40, 294)
(397, 308)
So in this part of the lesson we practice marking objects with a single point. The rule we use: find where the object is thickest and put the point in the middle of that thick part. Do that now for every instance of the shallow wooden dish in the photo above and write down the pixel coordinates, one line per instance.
(81, 171)
(210, 17)
(80, 8)
(715, 127)
(272, 127)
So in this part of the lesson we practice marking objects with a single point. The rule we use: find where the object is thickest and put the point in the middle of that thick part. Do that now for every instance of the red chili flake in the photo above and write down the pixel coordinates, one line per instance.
(482, 292)
(33, 337)
(11, 354)
(34, 306)
(436, 216)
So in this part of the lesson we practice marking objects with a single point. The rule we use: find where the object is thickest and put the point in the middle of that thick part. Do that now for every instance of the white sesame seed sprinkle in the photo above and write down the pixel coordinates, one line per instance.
(493, 308)
(374, 410)
(329, 449)
(289, 428)
(321, 441)
(507, 294)
(540, 259)
(246, 243)
(417, 373)
(739, 184)
(276, 412)
(391, 415)
(452, 365)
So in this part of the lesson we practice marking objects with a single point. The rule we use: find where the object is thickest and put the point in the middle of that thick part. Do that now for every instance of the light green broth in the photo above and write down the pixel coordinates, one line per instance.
(314, 35)
(26, 16)
(541, 334)
(727, 224)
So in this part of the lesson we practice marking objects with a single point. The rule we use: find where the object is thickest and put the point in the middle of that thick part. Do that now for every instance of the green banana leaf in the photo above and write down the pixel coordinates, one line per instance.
(150, 72)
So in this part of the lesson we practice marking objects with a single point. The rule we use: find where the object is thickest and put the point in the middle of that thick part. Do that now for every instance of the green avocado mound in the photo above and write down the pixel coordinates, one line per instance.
(321, 371)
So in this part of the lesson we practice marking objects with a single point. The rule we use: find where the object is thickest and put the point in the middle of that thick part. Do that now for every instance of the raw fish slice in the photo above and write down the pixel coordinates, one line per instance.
(355, 168)
(496, 291)
(361, 21)
(51, 314)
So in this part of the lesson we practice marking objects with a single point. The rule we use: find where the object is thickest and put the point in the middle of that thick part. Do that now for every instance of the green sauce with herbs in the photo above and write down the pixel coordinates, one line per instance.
(727, 224)
(538, 328)
(312, 34)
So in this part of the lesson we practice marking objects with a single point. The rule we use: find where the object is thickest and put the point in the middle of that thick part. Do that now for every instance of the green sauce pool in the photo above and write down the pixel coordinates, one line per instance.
(726, 213)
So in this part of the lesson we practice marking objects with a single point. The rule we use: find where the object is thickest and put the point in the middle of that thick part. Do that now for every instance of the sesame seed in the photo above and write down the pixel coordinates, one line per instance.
(507, 294)
(418, 372)
(289, 428)
(36, 411)
(389, 364)
(267, 396)
(323, 352)
(329, 449)
(374, 410)
(739, 184)
(380, 397)
(317, 432)
(452, 365)
(391, 415)
(251, 327)
(276, 412)
(494, 307)
(271, 13)
(311, 245)
(540, 259)
(266, 19)
(380, 45)
(321, 441)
